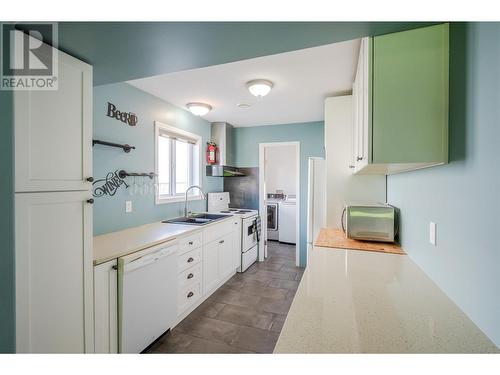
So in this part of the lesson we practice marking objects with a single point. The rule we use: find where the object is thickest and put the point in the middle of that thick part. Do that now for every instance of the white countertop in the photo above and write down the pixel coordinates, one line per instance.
(113, 245)
(353, 301)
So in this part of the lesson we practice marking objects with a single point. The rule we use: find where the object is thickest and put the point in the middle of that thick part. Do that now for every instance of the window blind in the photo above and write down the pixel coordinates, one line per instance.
(178, 137)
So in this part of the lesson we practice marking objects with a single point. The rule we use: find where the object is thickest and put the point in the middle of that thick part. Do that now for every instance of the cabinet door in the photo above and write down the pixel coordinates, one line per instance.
(226, 256)
(361, 109)
(54, 278)
(53, 132)
(210, 266)
(236, 243)
(106, 308)
(410, 96)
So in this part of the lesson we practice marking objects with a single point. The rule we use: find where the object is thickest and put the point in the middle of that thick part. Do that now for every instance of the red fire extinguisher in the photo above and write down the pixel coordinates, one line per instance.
(211, 152)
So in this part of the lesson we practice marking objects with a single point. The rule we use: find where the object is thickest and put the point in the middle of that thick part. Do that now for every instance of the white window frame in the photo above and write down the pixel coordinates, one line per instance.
(181, 133)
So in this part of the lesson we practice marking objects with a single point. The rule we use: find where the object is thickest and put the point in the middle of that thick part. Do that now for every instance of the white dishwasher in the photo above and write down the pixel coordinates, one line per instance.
(147, 296)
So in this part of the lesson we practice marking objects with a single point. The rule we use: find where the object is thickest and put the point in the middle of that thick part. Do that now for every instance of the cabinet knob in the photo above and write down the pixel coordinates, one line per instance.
(221, 241)
(90, 201)
(90, 179)
(359, 158)
(190, 242)
(190, 276)
(351, 166)
(190, 294)
(190, 260)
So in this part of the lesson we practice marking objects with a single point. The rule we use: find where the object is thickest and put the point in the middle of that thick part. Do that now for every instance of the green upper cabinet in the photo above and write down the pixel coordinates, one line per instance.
(406, 86)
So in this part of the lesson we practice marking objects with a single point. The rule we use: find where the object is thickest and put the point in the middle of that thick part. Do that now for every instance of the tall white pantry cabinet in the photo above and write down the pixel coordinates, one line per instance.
(53, 214)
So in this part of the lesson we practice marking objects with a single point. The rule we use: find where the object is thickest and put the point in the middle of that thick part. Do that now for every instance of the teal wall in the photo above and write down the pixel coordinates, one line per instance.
(122, 51)
(463, 197)
(109, 212)
(311, 138)
(7, 320)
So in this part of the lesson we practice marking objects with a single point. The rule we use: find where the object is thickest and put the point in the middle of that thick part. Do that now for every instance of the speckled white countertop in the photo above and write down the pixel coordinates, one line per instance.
(353, 301)
(113, 245)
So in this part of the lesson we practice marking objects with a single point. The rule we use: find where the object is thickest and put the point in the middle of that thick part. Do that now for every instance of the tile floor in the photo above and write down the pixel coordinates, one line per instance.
(245, 315)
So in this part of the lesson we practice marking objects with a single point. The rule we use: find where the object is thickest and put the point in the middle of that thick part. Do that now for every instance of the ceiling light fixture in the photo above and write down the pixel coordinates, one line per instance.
(199, 109)
(259, 87)
(243, 105)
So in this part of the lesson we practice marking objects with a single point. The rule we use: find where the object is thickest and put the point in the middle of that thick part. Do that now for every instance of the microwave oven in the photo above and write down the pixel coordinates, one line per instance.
(370, 222)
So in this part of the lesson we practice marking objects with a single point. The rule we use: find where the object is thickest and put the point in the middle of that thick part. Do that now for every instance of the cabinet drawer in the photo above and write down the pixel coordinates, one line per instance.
(189, 259)
(190, 276)
(188, 296)
(190, 242)
(216, 231)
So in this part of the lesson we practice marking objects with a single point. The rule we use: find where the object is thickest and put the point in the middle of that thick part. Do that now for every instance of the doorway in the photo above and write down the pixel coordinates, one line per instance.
(279, 174)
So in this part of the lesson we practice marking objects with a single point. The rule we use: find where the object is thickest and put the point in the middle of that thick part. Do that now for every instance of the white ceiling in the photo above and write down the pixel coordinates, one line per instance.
(302, 79)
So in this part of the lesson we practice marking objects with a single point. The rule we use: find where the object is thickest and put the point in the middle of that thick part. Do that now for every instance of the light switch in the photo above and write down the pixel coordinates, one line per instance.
(432, 233)
(128, 206)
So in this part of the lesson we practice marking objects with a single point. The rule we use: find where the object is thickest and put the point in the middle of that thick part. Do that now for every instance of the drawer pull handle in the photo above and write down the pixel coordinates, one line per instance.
(190, 260)
(221, 241)
(190, 294)
(190, 242)
(190, 276)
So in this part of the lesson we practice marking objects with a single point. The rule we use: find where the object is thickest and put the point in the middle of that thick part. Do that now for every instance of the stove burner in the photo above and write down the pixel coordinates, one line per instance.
(233, 209)
(244, 211)
(225, 212)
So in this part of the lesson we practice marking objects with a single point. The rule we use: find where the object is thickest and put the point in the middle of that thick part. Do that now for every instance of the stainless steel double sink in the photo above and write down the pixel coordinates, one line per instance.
(196, 219)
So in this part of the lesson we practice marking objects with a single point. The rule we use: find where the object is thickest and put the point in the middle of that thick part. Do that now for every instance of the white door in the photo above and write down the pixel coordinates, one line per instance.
(210, 266)
(54, 281)
(236, 243)
(106, 307)
(53, 132)
(226, 256)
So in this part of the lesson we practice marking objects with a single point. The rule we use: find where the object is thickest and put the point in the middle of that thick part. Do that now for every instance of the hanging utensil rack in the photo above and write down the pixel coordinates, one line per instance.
(123, 174)
(125, 147)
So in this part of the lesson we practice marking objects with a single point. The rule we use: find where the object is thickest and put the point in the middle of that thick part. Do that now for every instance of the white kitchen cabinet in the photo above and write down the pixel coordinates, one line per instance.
(106, 307)
(210, 266)
(226, 257)
(54, 273)
(400, 102)
(236, 242)
(53, 131)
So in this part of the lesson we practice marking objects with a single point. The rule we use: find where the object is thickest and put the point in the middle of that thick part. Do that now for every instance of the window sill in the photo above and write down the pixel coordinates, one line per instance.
(159, 200)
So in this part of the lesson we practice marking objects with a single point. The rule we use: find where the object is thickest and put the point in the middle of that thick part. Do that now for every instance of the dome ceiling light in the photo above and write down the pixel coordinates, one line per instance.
(259, 87)
(199, 109)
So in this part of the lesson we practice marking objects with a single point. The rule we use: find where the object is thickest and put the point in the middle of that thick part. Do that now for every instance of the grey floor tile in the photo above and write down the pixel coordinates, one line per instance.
(277, 306)
(234, 297)
(257, 340)
(202, 346)
(277, 323)
(245, 317)
(265, 291)
(208, 308)
(284, 284)
(210, 329)
(172, 342)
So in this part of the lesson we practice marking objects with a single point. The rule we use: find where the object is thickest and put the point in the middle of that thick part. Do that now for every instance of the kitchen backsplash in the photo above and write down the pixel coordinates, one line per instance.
(244, 191)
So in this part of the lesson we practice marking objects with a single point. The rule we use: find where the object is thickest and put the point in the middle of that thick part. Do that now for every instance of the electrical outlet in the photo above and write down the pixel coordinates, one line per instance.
(128, 206)
(432, 233)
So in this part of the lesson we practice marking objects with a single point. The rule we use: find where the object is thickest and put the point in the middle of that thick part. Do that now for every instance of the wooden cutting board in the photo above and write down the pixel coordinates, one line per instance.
(336, 238)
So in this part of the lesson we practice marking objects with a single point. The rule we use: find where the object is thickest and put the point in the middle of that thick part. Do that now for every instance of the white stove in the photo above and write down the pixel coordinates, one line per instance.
(250, 226)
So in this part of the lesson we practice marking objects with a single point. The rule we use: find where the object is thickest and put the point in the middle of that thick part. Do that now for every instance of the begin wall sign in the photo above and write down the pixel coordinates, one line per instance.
(125, 117)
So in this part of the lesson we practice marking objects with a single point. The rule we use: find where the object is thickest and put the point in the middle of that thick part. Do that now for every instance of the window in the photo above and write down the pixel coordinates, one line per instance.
(178, 163)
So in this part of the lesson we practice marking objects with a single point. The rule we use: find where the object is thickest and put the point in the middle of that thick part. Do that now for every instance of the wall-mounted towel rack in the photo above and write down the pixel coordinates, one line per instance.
(125, 147)
(123, 174)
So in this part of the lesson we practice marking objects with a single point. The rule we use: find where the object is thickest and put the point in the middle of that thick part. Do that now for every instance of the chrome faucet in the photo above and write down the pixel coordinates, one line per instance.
(186, 201)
